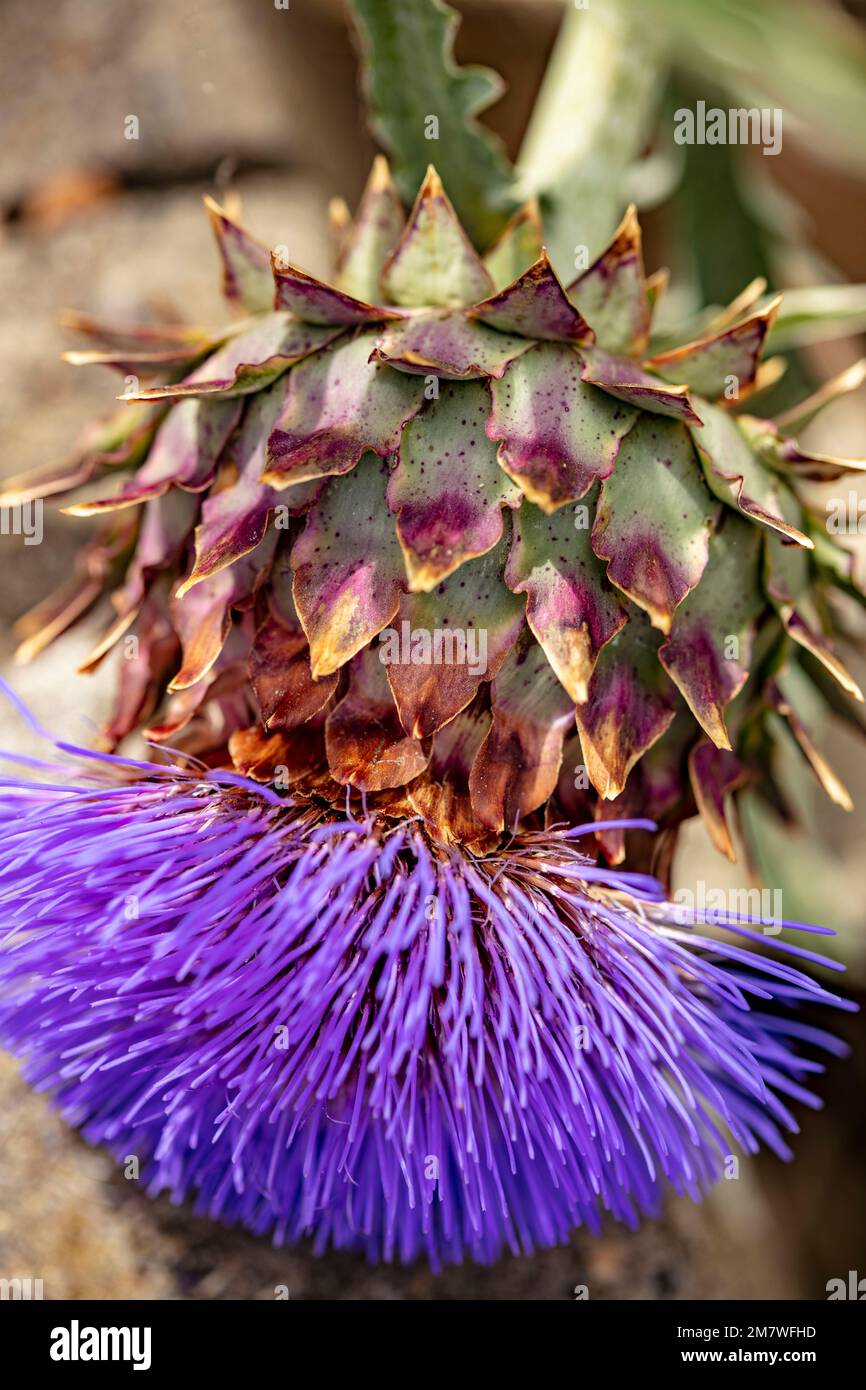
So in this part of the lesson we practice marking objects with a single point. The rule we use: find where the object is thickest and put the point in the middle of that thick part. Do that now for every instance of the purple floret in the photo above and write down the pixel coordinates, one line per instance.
(328, 1027)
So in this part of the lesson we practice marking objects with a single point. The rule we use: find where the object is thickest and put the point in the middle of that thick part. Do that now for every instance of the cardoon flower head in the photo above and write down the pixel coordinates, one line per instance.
(330, 1024)
(446, 580)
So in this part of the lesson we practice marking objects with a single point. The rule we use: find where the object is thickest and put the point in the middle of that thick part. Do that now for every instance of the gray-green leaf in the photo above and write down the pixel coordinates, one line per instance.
(423, 109)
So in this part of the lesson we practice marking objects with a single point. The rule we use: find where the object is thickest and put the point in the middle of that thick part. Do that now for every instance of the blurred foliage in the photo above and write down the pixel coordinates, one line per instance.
(807, 58)
(411, 79)
(602, 134)
(588, 129)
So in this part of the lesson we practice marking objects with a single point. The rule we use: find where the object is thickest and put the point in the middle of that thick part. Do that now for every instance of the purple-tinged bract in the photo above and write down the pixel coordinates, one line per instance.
(462, 442)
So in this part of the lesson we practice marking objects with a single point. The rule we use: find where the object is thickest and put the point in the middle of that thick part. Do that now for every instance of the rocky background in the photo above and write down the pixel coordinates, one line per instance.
(236, 94)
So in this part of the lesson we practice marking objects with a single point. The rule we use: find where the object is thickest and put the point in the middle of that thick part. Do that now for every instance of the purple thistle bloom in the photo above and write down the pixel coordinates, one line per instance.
(329, 1027)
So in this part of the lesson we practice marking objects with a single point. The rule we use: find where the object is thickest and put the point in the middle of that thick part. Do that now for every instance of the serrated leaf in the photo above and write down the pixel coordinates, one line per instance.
(348, 566)
(708, 651)
(796, 56)
(446, 642)
(571, 607)
(589, 126)
(556, 434)
(654, 518)
(448, 490)
(410, 75)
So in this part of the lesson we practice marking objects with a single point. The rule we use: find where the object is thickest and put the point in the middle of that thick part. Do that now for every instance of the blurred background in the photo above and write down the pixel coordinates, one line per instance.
(248, 98)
